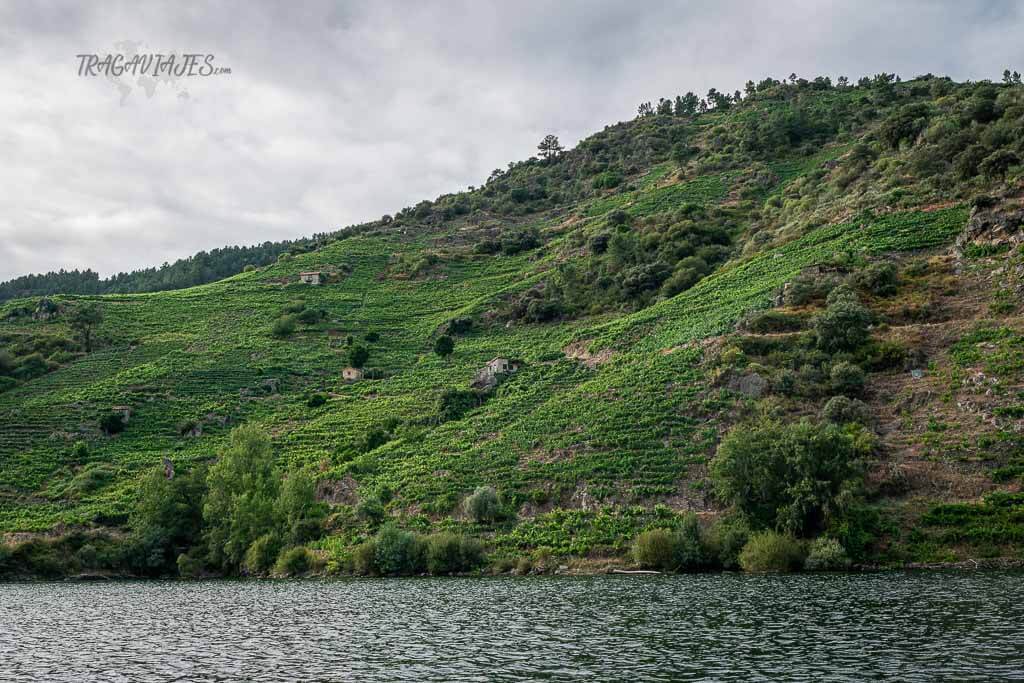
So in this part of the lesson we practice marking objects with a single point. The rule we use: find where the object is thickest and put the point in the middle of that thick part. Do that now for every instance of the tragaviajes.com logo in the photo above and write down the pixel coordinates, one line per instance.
(129, 67)
(178, 66)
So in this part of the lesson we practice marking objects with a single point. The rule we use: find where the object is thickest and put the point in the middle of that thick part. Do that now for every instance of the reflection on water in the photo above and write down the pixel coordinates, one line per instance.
(913, 626)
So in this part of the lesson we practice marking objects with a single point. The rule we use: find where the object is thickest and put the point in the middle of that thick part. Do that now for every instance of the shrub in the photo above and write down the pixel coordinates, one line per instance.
(370, 509)
(785, 475)
(542, 560)
(186, 427)
(112, 423)
(397, 551)
(998, 163)
(80, 451)
(847, 378)
(374, 438)
(358, 355)
(519, 241)
(807, 287)
(190, 565)
(841, 292)
(607, 180)
(879, 279)
(655, 549)
(283, 326)
(93, 476)
(827, 554)
(483, 505)
(33, 365)
(311, 316)
(364, 559)
(886, 355)
(460, 325)
(293, 562)
(248, 268)
(598, 244)
(843, 326)
(843, 410)
(452, 404)
(691, 553)
(618, 217)
(260, 556)
(372, 337)
(726, 539)
(681, 550)
(5, 558)
(296, 306)
(7, 362)
(316, 400)
(769, 551)
(37, 557)
(443, 555)
(772, 321)
(444, 346)
(472, 551)
(446, 553)
(487, 246)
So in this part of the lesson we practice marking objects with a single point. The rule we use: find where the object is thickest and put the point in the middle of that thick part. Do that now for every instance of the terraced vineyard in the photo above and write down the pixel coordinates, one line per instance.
(607, 427)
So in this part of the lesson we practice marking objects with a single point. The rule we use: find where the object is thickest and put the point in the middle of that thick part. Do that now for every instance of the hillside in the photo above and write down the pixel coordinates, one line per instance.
(670, 280)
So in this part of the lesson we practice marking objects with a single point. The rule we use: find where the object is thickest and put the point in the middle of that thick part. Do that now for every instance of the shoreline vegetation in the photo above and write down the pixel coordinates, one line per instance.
(572, 567)
(774, 331)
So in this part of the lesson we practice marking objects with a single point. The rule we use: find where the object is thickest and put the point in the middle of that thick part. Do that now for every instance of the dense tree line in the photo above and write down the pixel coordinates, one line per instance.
(203, 267)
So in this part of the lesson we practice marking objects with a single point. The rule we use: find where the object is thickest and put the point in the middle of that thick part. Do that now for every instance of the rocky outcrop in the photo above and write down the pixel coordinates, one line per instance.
(992, 226)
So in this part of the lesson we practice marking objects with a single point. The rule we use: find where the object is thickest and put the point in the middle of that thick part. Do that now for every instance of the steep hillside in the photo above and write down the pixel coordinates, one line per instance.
(668, 281)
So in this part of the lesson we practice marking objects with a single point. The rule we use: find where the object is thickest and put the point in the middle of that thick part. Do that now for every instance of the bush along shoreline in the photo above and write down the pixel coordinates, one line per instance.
(791, 489)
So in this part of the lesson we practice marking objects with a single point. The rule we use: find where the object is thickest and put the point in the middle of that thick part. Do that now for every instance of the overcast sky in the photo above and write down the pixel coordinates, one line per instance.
(335, 113)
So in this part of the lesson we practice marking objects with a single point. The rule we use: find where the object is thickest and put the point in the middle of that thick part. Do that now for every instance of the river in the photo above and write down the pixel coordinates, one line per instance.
(907, 626)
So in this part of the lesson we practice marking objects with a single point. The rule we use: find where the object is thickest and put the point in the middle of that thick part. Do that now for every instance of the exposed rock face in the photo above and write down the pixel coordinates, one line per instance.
(46, 310)
(337, 491)
(752, 385)
(995, 227)
(580, 351)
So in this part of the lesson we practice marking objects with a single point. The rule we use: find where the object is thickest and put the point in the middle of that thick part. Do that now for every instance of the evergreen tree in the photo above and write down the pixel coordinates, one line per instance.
(550, 147)
(84, 320)
(444, 346)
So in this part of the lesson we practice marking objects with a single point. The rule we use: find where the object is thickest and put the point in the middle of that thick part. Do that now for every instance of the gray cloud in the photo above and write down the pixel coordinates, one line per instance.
(337, 113)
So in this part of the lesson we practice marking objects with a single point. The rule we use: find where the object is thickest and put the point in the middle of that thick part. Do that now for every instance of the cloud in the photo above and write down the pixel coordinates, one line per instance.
(338, 113)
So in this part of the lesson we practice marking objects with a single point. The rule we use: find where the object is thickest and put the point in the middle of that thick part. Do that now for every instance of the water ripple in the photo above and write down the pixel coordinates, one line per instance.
(906, 626)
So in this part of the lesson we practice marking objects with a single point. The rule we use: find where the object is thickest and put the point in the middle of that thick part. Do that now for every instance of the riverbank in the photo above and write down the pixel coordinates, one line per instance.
(577, 567)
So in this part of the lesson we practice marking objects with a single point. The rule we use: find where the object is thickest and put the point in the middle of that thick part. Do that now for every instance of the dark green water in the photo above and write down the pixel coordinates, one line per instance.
(898, 626)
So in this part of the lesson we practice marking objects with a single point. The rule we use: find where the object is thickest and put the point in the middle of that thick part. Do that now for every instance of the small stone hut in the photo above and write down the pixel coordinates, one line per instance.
(352, 374)
(487, 376)
(312, 277)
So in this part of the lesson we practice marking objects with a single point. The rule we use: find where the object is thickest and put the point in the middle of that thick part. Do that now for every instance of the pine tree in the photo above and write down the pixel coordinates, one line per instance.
(550, 147)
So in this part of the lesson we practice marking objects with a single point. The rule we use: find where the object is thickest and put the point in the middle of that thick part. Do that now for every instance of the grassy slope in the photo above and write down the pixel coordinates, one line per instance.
(622, 429)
